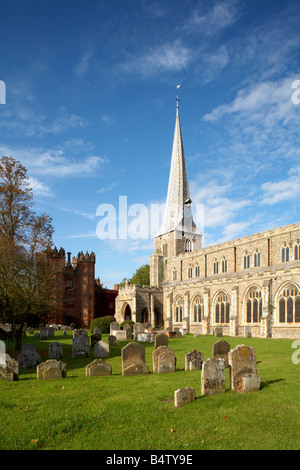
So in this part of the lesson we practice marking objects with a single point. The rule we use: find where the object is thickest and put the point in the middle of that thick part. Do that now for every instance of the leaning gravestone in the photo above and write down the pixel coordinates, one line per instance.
(193, 360)
(163, 360)
(28, 358)
(51, 369)
(220, 350)
(182, 396)
(80, 345)
(9, 370)
(213, 377)
(98, 368)
(133, 360)
(55, 350)
(160, 340)
(101, 349)
(243, 370)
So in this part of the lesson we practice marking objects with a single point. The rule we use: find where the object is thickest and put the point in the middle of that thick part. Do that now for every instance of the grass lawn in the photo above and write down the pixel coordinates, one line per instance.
(138, 413)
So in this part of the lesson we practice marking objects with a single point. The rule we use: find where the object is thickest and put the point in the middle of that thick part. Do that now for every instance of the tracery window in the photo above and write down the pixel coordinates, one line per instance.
(297, 251)
(246, 260)
(197, 270)
(256, 259)
(222, 308)
(190, 271)
(197, 309)
(188, 245)
(285, 253)
(254, 305)
(289, 305)
(224, 265)
(216, 266)
(179, 310)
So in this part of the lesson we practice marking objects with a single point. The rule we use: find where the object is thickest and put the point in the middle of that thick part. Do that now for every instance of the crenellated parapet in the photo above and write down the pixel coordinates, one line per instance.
(85, 257)
(55, 253)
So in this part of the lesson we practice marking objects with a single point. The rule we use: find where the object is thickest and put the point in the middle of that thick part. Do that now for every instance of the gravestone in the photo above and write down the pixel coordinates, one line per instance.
(120, 335)
(98, 368)
(55, 350)
(95, 338)
(146, 337)
(193, 360)
(79, 332)
(43, 332)
(30, 330)
(28, 358)
(51, 369)
(127, 328)
(112, 340)
(101, 349)
(9, 370)
(97, 331)
(247, 331)
(220, 350)
(50, 331)
(213, 377)
(163, 360)
(218, 331)
(182, 396)
(113, 326)
(80, 345)
(160, 340)
(243, 369)
(133, 360)
(138, 328)
(36, 335)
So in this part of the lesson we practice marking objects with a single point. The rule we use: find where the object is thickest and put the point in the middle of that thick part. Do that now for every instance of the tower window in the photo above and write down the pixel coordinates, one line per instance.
(285, 253)
(188, 245)
(246, 260)
(256, 259)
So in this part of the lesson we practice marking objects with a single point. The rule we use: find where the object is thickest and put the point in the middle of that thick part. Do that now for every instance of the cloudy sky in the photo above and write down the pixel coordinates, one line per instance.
(90, 111)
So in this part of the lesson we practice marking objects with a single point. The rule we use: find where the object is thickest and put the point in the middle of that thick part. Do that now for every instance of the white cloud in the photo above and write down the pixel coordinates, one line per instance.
(284, 190)
(39, 188)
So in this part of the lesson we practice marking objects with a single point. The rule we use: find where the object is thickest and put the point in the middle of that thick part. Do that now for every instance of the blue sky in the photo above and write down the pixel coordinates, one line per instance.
(90, 111)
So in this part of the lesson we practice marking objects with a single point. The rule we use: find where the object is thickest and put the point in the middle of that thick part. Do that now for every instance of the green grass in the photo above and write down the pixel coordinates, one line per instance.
(138, 413)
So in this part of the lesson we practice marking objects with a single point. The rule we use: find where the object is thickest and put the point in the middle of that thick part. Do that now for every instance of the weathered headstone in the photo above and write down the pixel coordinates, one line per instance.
(182, 396)
(30, 330)
(80, 345)
(243, 369)
(28, 358)
(51, 369)
(193, 360)
(160, 340)
(101, 349)
(43, 332)
(128, 329)
(112, 340)
(98, 368)
(247, 331)
(9, 371)
(55, 350)
(50, 332)
(95, 338)
(133, 360)
(97, 331)
(163, 360)
(220, 350)
(213, 377)
(113, 326)
(146, 337)
(120, 335)
(138, 328)
(218, 331)
(79, 332)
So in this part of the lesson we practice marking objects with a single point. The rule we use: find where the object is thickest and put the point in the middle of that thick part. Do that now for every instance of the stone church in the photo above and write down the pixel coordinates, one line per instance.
(250, 285)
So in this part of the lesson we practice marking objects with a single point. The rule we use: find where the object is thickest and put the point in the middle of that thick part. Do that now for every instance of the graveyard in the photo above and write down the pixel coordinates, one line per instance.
(150, 400)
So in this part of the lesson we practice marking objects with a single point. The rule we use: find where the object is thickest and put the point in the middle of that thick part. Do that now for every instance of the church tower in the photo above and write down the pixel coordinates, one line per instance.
(178, 233)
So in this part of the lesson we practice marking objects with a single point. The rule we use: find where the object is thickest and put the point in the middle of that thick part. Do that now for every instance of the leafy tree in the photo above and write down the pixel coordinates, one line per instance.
(140, 277)
(26, 280)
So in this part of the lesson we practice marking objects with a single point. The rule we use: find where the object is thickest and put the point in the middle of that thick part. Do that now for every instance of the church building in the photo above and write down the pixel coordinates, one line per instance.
(250, 285)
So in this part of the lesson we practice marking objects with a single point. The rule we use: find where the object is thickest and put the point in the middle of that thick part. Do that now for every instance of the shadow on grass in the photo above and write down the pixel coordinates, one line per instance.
(264, 384)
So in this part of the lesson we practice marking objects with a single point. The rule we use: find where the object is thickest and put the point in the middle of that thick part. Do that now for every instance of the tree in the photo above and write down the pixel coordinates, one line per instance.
(26, 280)
(140, 277)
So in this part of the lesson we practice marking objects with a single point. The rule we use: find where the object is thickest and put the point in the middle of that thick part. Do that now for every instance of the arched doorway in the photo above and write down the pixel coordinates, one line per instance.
(127, 312)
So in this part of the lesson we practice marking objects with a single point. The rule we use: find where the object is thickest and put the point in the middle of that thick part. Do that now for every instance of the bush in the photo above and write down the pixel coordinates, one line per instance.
(126, 322)
(103, 323)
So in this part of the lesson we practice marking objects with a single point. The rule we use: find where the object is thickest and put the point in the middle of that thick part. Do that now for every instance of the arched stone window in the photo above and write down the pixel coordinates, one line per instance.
(257, 258)
(216, 266)
(197, 270)
(297, 250)
(197, 309)
(246, 260)
(285, 253)
(190, 271)
(224, 265)
(289, 304)
(253, 302)
(222, 308)
(178, 310)
(188, 245)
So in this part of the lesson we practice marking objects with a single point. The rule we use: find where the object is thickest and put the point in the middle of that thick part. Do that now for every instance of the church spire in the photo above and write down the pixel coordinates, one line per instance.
(178, 195)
